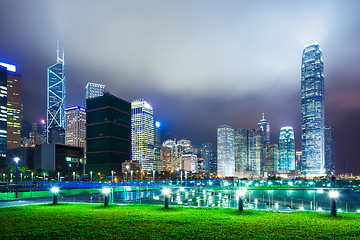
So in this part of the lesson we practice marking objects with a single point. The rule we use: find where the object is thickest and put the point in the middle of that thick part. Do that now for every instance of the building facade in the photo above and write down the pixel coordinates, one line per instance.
(241, 150)
(157, 147)
(94, 90)
(225, 151)
(108, 133)
(255, 151)
(142, 134)
(312, 111)
(286, 149)
(272, 159)
(329, 150)
(75, 125)
(55, 117)
(3, 115)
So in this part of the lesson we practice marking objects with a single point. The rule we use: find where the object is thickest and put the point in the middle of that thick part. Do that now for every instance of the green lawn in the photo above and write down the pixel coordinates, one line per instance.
(87, 221)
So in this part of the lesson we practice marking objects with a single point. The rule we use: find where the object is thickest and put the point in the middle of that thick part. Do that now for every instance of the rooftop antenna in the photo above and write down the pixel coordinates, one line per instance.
(263, 115)
(57, 51)
(60, 60)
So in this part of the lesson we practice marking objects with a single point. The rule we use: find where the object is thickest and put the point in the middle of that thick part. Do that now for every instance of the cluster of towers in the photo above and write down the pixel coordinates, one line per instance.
(249, 152)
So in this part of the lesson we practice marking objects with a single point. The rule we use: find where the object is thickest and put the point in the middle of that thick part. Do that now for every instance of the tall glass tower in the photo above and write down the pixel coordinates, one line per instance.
(312, 110)
(142, 134)
(225, 151)
(286, 149)
(55, 117)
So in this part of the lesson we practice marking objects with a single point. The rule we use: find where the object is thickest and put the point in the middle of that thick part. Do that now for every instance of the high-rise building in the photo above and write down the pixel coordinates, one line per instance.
(108, 133)
(14, 115)
(55, 117)
(206, 152)
(3, 115)
(94, 90)
(142, 134)
(157, 147)
(312, 111)
(255, 151)
(241, 150)
(298, 161)
(286, 149)
(225, 151)
(272, 157)
(75, 125)
(265, 127)
(329, 150)
(166, 158)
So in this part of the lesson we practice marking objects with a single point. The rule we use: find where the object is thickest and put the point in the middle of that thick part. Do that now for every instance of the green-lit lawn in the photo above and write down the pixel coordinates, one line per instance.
(86, 221)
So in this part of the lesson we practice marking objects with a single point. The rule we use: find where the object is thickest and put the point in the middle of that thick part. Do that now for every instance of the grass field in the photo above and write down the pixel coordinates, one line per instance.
(89, 221)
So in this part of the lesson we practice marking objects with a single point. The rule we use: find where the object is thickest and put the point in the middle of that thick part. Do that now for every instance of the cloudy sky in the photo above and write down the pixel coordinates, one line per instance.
(200, 64)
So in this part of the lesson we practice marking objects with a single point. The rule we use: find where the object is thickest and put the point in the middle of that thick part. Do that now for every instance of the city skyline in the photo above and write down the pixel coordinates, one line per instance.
(199, 69)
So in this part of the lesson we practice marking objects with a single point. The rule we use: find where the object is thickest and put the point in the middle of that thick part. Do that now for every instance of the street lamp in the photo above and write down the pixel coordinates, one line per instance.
(21, 175)
(73, 176)
(241, 193)
(106, 192)
(58, 176)
(131, 173)
(112, 175)
(90, 176)
(4, 176)
(16, 173)
(166, 192)
(127, 173)
(333, 195)
(54, 190)
(44, 177)
(153, 176)
(32, 177)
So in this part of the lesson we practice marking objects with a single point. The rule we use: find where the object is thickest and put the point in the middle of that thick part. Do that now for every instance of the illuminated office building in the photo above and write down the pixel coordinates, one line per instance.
(265, 127)
(157, 147)
(3, 115)
(75, 126)
(255, 151)
(55, 117)
(225, 151)
(312, 111)
(13, 107)
(206, 152)
(329, 150)
(286, 149)
(241, 150)
(142, 134)
(94, 90)
(272, 159)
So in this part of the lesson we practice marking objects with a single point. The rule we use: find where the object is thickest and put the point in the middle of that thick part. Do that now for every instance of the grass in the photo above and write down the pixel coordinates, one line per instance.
(89, 221)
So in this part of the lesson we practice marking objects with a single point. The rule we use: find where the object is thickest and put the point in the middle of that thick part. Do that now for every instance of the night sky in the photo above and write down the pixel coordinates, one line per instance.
(200, 64)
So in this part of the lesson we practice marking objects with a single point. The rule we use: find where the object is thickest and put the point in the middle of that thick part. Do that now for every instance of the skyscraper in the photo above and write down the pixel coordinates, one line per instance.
(265, 127)
(286, 149)
(272, 157)
(75, 125)
(94, 90)
(312, 110)
(329, 150)
(225, 151)
(13, 106)
(255, 151)
(3, 115)
(206, 152)
(241, 150)
(142, 134)
(157, 147)
(55, 117)
(108, 133)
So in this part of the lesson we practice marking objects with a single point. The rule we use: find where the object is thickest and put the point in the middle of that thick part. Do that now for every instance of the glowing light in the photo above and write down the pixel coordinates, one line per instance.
(16, 159)
(334, 194)
(339, 210)
(320, 191)
(320, 209)
(241, 192)
(166, 191)
(43, 121)
(54, 189)
(157, 124)
(10, 67)
(106, 190)
(290, 184)
(358, 211)
(301, 208)
(182, 189)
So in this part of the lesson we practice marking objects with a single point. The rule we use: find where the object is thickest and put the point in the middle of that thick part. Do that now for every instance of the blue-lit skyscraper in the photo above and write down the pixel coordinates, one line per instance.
(312, 110)
(55, 117)
(286, 149)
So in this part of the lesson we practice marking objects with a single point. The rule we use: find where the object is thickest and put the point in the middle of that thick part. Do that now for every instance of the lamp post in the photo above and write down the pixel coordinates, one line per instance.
(44, 177)
(185, 178)
(54, 190)
(58, 174)
(90, 176)
(166, 192)
(112, 175)
(4, 176)
(153, 176)
(181, 177)
(333, 195)
(16, 177)
(21, 175)
(73, 176)
(131, 173)
(106, 192)
(241, 193)
(127, 173)
(32, 177)
(11, 177)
